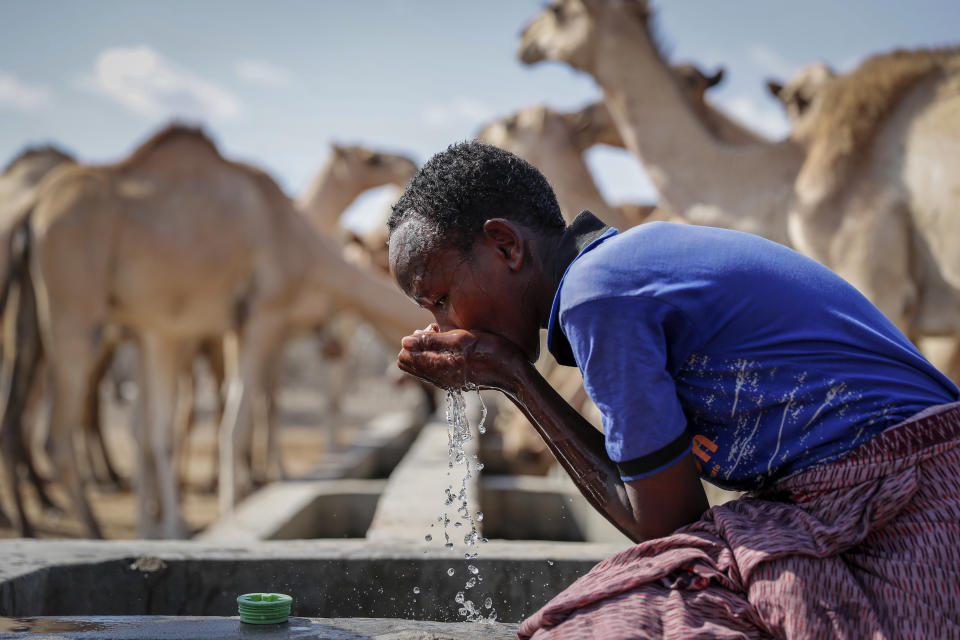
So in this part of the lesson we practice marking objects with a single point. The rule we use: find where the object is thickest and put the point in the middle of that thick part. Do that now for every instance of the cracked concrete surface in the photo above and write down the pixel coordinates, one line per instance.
(210, 628)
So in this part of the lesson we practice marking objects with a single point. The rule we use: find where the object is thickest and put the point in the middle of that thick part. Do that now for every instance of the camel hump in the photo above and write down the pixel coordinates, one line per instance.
(48, 154)
(176, 139)
(851, 108)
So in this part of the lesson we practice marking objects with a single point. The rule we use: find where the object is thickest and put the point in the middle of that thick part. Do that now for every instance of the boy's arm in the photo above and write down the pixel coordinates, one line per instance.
(642, 509)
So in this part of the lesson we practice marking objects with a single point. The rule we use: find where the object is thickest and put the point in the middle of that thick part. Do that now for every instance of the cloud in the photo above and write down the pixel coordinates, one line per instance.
(148, 83)
(16, 94)
(264, 73)
(762, 117)
(771, 62)
(461, 111)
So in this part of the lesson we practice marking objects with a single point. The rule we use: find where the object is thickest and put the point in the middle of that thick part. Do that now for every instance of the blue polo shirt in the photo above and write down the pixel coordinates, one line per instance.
(761, 360)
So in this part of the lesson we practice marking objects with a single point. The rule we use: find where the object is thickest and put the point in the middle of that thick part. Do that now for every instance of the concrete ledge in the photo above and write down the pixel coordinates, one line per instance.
(327, 578)
(386, 440)
(413, 497)
(542, 508)
(300, 509)
(210, 628)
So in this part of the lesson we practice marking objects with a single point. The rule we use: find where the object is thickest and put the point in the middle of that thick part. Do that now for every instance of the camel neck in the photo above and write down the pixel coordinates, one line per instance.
(576, 190)
(710, 182)
(325, 200)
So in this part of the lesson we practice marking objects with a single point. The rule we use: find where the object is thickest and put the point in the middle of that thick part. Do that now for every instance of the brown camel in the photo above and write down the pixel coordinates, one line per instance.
(177, 244)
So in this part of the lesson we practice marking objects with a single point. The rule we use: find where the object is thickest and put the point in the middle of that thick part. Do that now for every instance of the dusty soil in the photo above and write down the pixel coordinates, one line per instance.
(308, 430)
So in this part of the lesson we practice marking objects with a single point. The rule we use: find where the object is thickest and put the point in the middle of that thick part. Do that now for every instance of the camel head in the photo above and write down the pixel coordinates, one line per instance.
(571, 30)
(800, 94)
(531, 133)
(694, 82)
(366, 168)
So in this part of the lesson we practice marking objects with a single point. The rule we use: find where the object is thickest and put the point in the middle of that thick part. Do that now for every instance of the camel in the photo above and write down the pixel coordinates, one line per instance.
(350, 171)
(852, 211)
(803, 89)
(19, 182)
(595, 126)
(834, 117)
(178, 244)
(697, 175)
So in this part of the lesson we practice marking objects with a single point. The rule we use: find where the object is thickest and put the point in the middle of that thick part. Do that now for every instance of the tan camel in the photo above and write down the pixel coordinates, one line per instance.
(845, 207)
(702, 178)
(350, 171)
(854, 127)
(595, 125)
(179, 245)
(544, 138)
(803, 89)
(19, 182)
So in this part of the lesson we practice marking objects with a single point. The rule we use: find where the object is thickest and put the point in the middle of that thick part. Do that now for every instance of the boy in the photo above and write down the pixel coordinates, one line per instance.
(710, 353)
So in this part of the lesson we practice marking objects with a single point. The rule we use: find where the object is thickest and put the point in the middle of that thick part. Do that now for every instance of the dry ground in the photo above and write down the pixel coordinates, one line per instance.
(306, 427)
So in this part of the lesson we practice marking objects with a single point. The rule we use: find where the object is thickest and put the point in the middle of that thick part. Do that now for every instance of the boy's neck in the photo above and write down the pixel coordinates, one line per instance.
(584, 229)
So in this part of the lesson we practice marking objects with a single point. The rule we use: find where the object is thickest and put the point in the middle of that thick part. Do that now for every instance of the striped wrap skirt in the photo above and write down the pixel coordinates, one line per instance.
(867, 546)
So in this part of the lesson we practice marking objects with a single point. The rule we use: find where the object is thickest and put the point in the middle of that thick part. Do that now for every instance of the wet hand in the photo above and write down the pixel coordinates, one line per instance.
(457, 359)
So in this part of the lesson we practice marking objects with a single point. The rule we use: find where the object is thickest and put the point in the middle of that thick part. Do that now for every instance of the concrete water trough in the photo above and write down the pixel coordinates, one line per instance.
(326, 578)
(368, 558)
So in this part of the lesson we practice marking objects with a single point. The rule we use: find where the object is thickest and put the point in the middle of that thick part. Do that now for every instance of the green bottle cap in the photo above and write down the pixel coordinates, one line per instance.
(264, 608)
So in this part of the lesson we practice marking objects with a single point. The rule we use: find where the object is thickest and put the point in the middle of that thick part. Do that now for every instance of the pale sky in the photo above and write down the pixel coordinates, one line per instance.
(275, 83)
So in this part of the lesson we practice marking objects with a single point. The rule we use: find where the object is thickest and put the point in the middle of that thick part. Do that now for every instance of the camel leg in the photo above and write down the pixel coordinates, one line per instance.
(163, 364)
(216, 358)
(71, 362)
(266, 417)
(183, 425)
(213, 351)
(275, 467)
(145, 475)
(35, 401)
(104, 472)
(261, 339)
(22, 378)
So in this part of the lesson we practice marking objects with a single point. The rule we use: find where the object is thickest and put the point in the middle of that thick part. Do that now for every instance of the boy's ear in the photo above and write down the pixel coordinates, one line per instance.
(504, 237)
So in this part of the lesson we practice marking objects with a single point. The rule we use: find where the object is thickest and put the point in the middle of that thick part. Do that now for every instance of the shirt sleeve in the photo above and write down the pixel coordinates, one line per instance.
(623, 346)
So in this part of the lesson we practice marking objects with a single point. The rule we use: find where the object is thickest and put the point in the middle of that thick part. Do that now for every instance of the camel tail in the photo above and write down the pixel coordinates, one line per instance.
(19, 259)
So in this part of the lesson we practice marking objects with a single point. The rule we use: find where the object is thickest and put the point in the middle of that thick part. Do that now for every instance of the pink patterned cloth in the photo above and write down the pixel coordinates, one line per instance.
(864, 547)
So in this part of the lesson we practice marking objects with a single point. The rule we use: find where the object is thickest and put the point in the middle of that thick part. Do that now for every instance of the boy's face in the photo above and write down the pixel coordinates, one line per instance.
(474, 290)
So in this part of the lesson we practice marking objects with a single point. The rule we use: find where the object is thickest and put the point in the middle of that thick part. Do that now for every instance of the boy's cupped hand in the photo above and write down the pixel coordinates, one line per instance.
(459, 359)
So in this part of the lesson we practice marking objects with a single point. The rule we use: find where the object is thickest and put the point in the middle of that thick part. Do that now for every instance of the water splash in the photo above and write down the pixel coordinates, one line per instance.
(459, 434)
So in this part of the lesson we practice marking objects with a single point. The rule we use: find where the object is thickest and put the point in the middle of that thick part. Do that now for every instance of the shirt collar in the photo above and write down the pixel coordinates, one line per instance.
(584, 233)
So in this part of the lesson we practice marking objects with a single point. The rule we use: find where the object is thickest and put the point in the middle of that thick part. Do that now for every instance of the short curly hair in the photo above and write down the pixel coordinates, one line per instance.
(459, 189)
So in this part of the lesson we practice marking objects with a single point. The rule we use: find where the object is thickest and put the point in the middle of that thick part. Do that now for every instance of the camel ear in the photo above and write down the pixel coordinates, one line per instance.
(774, 88)
(336, 149)
(716, 78)
(540, 118)
(593, 6)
